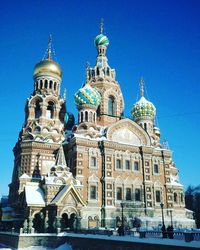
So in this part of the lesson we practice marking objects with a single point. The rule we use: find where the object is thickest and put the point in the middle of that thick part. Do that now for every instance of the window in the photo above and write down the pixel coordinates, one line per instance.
(158, 199)
(37, 110)
(86, 116)
(93, 192)
(128, 194)
(137, 194)
(49, 111)
(118, 164)
(127, 165)
(119, 193)
(155, 169)
(175, 197)
(181, 197)
(136, 166)
(93, 161)
(111, 105)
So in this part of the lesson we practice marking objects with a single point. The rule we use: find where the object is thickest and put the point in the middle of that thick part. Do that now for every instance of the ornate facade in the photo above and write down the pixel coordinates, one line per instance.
(80, 175)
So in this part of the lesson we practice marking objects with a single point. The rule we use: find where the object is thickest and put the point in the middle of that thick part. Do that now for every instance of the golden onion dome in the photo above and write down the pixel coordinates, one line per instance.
(47, 66)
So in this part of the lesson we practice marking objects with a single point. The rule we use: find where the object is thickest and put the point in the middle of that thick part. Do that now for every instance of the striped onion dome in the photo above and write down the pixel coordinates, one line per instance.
(101, 40)
(87, 95)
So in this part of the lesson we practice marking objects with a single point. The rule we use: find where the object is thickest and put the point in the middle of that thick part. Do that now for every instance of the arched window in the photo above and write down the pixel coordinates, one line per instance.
(81, 116)
(86, 116)
(54, 85)
(37, 110)
(46, 84)
(145, 126)
(36, 85)
(175, 198)
(49, 112)
(41, 84)
(111, 103)
(97, 71)
(50, 84)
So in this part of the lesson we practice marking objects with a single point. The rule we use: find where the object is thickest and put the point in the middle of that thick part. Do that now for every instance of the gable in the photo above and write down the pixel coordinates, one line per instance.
(68, 196)
(128, 132)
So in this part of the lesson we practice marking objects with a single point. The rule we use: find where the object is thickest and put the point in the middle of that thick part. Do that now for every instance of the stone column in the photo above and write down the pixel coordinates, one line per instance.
(30, 225)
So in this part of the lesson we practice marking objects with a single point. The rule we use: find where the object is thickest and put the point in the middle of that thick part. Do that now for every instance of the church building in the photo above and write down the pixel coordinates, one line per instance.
(101, 171)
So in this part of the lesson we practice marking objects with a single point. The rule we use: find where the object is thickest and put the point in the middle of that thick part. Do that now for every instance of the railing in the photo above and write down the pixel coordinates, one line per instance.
(177, 235)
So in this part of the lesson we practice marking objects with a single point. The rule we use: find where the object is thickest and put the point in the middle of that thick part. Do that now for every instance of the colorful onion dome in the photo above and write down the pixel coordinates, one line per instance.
(87, 95)
(143, 109)
(47, 66)
(101, 40)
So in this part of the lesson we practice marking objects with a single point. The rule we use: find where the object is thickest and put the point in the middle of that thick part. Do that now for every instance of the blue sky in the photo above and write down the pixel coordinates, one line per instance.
(159, 40)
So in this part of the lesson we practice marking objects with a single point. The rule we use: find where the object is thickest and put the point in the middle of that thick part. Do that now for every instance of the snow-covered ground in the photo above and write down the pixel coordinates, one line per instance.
(63, 247)
(158, 241)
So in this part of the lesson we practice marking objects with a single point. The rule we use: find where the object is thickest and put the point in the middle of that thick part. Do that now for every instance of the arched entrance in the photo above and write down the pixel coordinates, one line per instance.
(38, 223)
(68, 221)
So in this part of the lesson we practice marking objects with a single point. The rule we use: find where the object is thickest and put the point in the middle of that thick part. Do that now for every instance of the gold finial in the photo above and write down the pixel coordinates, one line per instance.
(49, 50)
(102, 26)
(141, 87)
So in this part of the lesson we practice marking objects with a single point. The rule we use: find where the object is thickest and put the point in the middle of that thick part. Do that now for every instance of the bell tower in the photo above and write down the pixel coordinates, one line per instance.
(102, 77)
(43, 129)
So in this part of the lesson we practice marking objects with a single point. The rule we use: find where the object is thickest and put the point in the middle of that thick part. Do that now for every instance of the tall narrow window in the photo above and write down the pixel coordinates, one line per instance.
(111, 104)
(181, 197)
(49, 111)
(175, 197)
(155, 169)
(86, 116)
(128, 194)
(118, 164)
(119, 193)
(158, 198)
(127, 165)
(145, 126)
(136, 166)
(137, 194)
(93, 192)
(93, 162)
(81, 116)
(46, 84)
(37, 110)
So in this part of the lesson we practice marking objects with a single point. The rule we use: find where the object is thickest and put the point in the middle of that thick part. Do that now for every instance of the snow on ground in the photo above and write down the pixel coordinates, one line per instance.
(62, 247)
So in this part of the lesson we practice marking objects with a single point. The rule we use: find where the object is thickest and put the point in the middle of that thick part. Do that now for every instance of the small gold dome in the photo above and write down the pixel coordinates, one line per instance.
(47, 66)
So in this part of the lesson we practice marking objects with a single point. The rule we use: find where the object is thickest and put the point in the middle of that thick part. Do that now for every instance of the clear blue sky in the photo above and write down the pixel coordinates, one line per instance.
(159, 40)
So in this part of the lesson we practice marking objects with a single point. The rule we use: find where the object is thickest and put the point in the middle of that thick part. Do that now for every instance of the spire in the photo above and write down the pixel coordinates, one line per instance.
(60, 158)
(102, 26)
(141, 87)
(65, 94)
(87, 66)
(49, 49)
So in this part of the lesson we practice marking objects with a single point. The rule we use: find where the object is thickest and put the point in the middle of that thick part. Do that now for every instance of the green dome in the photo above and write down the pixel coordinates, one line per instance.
(101, 40)
(87, 95)
(143, 109)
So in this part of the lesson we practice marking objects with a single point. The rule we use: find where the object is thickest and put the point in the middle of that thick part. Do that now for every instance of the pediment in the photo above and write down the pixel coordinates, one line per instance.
(68, 196)
(128, 132)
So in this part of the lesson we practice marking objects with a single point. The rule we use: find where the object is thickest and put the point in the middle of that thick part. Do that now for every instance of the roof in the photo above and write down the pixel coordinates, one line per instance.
(24, 176)
(34, 195)
(64, 192)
